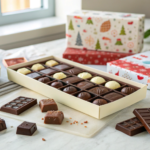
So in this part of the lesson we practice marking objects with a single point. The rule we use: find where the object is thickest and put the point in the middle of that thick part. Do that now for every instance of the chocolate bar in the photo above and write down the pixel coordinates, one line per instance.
(143, 114)
(26, 128)
(18, 105)
(131, 126)
(2, 125)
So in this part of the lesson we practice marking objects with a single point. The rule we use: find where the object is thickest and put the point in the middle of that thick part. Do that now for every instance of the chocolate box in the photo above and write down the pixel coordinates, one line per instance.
(71, 100)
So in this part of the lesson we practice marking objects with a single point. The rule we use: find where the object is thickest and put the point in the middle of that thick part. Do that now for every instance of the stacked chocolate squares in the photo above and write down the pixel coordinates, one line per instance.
(137, 124)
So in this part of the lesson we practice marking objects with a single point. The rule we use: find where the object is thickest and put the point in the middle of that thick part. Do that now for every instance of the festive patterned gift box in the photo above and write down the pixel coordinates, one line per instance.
(135, 67)
(108, 31)
(92, 57)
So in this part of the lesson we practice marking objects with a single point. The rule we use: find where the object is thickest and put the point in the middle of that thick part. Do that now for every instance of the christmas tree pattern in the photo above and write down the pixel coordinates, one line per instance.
(79, 40)
(89, 21)
(118, 42)
(97, 46)
(71, 25)
(122, 31)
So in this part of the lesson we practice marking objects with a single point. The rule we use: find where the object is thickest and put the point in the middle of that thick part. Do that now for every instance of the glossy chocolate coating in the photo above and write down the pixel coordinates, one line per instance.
(72, 80)
(99, 90)
(62, 67)
(113, 96)
(44, 79)
(70, 90)
(74, 71)
(99, 102)
(85, 85)
(84, 95)
(48, 71)
(57, 84)
(2, 125)
(33, 75)
(127, 90)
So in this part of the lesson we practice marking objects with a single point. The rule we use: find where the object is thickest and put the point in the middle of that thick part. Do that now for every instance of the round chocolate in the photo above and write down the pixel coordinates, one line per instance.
(112, 85)
(99, 90)
(84, 95)
(70, 89)
(44, 79)
(57, 84)
(99, 102)
(84, 75)
(127, 90)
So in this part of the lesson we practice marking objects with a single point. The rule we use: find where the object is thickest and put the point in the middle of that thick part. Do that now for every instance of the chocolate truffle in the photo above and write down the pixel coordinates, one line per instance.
(72, 80)
(37, 67)
(48, 71)
(99, 102)
(2, 125)
(84, 75)
(70, 90)
(24, 71)
(33, 75)
(127, 90)
(84, 85)
(51, 63)
(84, 95)
(97, 80)
(112, 85)
(57, 84)
(99, 90)
(113, 96)
(62, 67)
(74, 71)
(59, 75)
(44, 79)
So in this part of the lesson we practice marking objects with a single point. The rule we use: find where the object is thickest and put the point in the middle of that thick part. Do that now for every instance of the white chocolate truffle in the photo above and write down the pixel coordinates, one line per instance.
(59, 75)
(37, 67)
(97, 80)
(112, 85)
(24, 71)
(51, 63)
(84, 75)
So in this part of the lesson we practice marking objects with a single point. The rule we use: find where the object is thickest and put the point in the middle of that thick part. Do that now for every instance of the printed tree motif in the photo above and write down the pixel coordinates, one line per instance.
(89, 21)
(79, 40)
(122, 31)
(97, 46)
(71, 25)
(118, 42)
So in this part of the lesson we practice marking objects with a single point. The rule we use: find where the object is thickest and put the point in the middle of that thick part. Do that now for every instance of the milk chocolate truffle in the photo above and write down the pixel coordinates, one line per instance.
(44, 79)
(113, 96)
(74, 71)
(99, 90)
(112, 85)
(84, 95)
(37, 67)
(72, 80)
(62, 67)
(127, 90)
(97, 80)
(84, 85)
(59, 75)
(51, 63)
(70, 90)
(24, 71)
(99, 102)
(57, 84)
(84, 75)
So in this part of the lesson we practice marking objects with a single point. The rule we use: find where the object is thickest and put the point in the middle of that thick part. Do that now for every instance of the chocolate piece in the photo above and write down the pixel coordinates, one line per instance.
(57, 84)
(37, 67)
(84, 75)
(2, 125)
(113, 96)
(84, 95)
(51, 63)
(99, 102)
(47, 104)
(85, 85)
(131, 126)
(112, 85)
(24, 71)
(97, 80)
(19, 105)
(26, 128)
(59, 75)
(143, 114)
(72, 80)
(70, 90)
(74, 71)
(33, 75)
(54, 117)
(127, 90)
(44, 79)
(62, 67)
(99, 90)
(48, 71)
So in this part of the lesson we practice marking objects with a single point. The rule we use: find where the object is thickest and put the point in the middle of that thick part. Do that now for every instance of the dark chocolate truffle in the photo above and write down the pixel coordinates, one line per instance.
(44, 79)
(62, 67)
(99, 102)
(70, 89)
(48, 71)
(84, 95)
(127, 90)
(85, 85)
(74, 71)
(99, 90)
(57, 84)
(72, 80)
(113, 96)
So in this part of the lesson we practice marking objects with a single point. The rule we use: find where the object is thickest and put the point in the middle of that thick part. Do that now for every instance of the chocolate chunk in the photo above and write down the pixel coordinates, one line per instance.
(131, 126)
(99, 90)
(19, 105)
(47, 104)
(74, 71)
(85, 85)
(57, 84)
(84, 95)
(127, 90)
(33, 75)
(70, 90)
(99, 102)
(72, 80)
(54, 117)
(26, 128)
(113, 96)
(2, 125)
(44, 79)
(62, 67)
(48, 71)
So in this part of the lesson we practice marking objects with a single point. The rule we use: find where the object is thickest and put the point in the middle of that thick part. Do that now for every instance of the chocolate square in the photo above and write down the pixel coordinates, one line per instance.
(33, 75)
(62, 67)
(2, 125)
(74, 71)
(84, 85)
(113, 96)
(72, 80)
(99, 90)
(48, 71)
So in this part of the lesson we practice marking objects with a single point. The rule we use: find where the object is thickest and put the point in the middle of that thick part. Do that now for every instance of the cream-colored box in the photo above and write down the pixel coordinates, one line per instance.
(93, 110)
